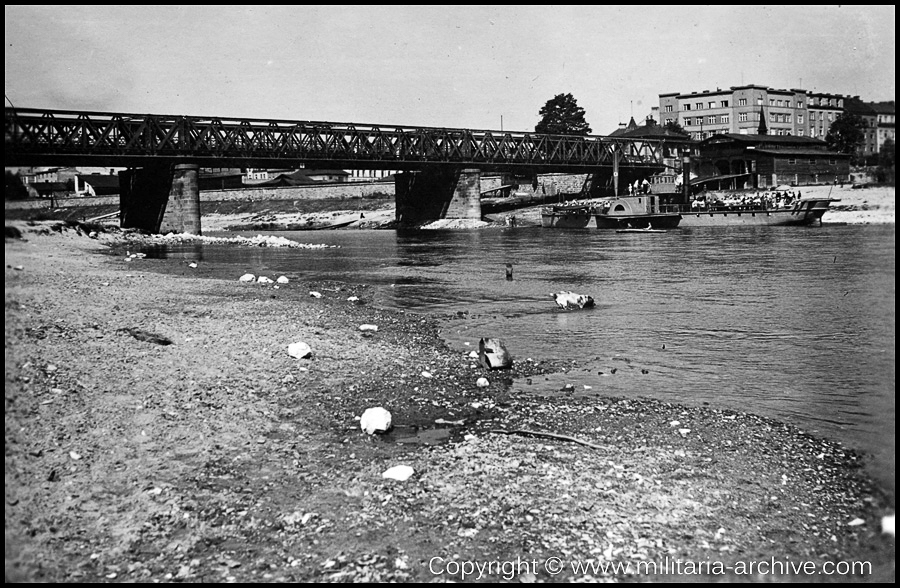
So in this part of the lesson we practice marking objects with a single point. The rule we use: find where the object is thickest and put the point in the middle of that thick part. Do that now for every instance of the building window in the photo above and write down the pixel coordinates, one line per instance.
(800, 132)
(829, 117)
(688, 122)
(800, 119)
(787, 118)
(699, 106)
(742, 102)
(799, 104)
(668, 108)
(711, 120)
(742, 117)
(724, 103)
(712, 104)
(759, 100)
(792, 161)
(723, 119)
(687, 106)
(771, 102)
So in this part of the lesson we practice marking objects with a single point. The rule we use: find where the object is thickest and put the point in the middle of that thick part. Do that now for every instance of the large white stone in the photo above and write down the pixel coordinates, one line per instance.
(282, 280)
(401, 473)
(247, 278)
(375, 420)
(299, 350)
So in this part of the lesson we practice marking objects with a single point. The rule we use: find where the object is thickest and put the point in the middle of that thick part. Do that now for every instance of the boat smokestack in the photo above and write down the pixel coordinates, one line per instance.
(686, 170)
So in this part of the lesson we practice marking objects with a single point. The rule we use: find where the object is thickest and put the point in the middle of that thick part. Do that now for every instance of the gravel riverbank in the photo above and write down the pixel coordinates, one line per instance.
(219, 457)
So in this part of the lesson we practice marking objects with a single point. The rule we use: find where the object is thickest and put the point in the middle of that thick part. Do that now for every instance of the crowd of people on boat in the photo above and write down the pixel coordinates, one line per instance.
(639, 187)
(769, 200)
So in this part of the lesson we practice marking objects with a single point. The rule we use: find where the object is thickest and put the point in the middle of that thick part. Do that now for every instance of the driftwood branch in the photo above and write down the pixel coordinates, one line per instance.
(548, 436)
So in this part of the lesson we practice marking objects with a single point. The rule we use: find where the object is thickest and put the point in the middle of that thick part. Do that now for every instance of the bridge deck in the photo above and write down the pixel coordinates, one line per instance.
(36, 137)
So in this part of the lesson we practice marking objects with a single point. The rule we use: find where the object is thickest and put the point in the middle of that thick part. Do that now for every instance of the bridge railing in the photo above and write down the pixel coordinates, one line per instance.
(34, 133)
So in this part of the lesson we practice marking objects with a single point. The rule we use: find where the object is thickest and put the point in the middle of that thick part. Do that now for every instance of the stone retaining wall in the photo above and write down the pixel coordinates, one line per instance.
(548, 184)
(329, 191)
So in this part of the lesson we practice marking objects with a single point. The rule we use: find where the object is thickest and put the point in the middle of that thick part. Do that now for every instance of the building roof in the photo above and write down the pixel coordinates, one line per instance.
(650, 129)
(100, 181)
(326, 172)
(810, 152)
(783, 140)
(48, 187)
(883, 107)
(856, 106)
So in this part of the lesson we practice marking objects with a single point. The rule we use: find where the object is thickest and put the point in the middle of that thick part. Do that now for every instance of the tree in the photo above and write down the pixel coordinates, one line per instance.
(887, 154)
(886, 161)
(561, 115)
(15, 189)
(846, 134)
(674, 127)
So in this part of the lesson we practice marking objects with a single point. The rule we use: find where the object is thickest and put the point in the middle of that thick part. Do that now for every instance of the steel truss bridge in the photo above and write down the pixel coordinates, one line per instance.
(62, 137)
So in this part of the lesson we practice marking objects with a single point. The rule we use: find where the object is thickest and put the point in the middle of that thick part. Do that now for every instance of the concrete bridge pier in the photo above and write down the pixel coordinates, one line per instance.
(437, 192)
(161, 199)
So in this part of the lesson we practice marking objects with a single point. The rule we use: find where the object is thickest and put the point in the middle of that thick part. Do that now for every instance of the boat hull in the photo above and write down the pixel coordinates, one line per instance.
(566, 217)
(638, 221)
(807, 212)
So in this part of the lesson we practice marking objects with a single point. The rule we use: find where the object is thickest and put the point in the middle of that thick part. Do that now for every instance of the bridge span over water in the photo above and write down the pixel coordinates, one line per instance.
(442, 165)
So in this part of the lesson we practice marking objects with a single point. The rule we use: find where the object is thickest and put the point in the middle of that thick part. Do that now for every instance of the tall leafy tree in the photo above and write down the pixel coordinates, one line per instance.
(674, 127)
(561, 115)
(15, 189)
(846, 134)
(886, 157)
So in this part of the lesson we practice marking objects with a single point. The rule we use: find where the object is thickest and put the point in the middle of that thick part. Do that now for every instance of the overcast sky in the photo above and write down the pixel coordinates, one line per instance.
(451, 66)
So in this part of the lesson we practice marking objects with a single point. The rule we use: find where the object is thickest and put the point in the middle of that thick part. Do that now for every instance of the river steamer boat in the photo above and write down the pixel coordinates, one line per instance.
(805, 211)
(566, 216)
(635, 212)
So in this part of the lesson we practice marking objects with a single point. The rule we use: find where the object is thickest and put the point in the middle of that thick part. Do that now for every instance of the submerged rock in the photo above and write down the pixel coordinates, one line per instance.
(566, 299)
(493, 355)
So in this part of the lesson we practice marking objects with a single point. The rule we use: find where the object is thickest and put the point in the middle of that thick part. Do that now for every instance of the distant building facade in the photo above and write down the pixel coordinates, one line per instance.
(886, 114)
(739, 109)
(786, 112)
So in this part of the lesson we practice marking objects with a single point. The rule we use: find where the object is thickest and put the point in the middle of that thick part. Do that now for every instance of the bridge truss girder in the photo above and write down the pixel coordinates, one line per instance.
(35, 137)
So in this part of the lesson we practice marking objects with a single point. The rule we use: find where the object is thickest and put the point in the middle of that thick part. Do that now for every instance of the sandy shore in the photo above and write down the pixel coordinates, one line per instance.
(855, 206)
(219, 457)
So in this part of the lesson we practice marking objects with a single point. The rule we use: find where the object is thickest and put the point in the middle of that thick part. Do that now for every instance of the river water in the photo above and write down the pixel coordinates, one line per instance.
(791, 323)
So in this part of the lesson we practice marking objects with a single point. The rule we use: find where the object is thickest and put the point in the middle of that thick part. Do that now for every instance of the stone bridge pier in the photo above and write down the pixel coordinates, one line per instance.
(437, 192)
(161, 198)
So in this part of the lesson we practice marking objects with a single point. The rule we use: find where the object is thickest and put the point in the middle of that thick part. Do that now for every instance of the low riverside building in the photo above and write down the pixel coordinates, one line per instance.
(744, 161)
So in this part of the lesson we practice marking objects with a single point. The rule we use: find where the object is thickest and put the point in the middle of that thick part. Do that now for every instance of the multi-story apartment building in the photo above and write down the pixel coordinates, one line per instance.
(823, 110)
(885, 113)
(736, 110)
(796, 112)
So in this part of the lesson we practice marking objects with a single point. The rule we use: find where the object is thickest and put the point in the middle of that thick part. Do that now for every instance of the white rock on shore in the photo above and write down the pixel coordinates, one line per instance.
(375, 420)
